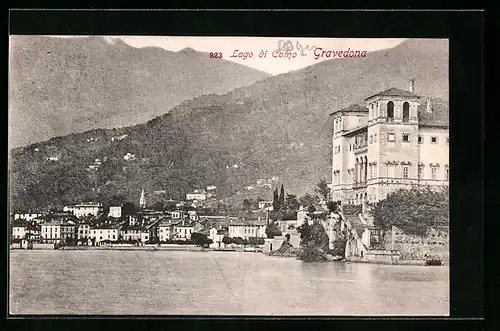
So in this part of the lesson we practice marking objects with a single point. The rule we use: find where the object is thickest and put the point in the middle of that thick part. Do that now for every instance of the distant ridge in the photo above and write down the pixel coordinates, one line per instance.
(278, 126)
(60, 86)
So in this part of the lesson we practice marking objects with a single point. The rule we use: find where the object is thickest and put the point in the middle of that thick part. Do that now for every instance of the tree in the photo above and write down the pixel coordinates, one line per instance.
(199, 239)
(276, 202)
(226, 240)
(333, 206)
(256, 241)
(282, 197)
(272, 230)
(128, 208)
(322, 189)
(308, 200)
(305, 233)
(291, 202)
(339, 244)
(158, 206)
(413, 211)
(248, 204)
(237, 241)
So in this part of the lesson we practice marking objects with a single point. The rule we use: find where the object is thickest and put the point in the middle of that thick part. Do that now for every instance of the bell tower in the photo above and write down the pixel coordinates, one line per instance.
(142, 200)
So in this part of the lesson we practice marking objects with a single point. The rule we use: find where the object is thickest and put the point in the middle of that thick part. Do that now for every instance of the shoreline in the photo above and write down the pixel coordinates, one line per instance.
(200, 249)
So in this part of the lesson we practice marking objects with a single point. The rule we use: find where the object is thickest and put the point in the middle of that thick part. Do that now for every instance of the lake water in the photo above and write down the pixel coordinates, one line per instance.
(217, 283)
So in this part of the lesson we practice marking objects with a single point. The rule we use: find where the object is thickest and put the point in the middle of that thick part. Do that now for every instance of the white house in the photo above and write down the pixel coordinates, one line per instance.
(19, 228)
(84, 209)
(27, 216)
(165, 230)
(196, 195)
(247, 229)
(51, 232)
(115, 211)
(178, 214)
(105, 232)
(266, 205)
(216, 239)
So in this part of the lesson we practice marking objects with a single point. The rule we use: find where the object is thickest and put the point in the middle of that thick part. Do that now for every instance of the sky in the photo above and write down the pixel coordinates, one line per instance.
(232, 46)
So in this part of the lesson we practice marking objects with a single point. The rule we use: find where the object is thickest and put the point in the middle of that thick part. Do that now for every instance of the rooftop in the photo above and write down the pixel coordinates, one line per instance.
(439, 115)
(244, 222)
(394, 92)
(352, 108)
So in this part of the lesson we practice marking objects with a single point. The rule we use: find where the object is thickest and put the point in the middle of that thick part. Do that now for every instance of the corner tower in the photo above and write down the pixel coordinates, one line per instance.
(393, 151)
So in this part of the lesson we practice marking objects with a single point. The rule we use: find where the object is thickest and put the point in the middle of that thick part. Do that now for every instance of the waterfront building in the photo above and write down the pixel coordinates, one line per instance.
(68, 231)
(184, 229)
(135, 231)
(19, 228)
(217, 237)
(105, 231)
(51, 231)
(83, 231)
(394, 141)
(165, 229)
(246, 229)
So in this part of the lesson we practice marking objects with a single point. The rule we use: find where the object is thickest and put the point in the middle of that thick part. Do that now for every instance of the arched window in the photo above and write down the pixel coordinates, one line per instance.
(366, 168)
(390, 110)
(406, 112)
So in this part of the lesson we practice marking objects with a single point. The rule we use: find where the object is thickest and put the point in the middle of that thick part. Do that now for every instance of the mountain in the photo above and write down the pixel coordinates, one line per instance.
(60, 86)
(275, 127)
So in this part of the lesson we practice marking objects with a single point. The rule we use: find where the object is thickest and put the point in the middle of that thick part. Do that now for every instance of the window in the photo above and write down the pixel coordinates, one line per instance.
(391, 137)
(405, 171)
(447, 140)
(390, 171)
(100, 238)
(406, 112)
(420, 140)
(434, 140)
(371, 170)
(390, 111)
(433, 172)
(371, 139)
(447, 173)
(406, 138)
(375, 138)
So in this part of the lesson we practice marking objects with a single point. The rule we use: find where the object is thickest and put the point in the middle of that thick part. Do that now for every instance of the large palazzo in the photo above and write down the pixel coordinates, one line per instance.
(397, 140)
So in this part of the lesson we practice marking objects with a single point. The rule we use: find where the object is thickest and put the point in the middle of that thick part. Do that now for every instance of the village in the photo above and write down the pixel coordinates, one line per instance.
(412, 163)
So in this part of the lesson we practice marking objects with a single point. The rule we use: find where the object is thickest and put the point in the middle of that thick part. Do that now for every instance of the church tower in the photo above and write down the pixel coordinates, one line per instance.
(142, 200)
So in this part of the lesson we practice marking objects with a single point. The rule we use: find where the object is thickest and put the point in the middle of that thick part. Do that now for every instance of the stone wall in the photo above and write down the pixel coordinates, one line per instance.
(413, 247)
